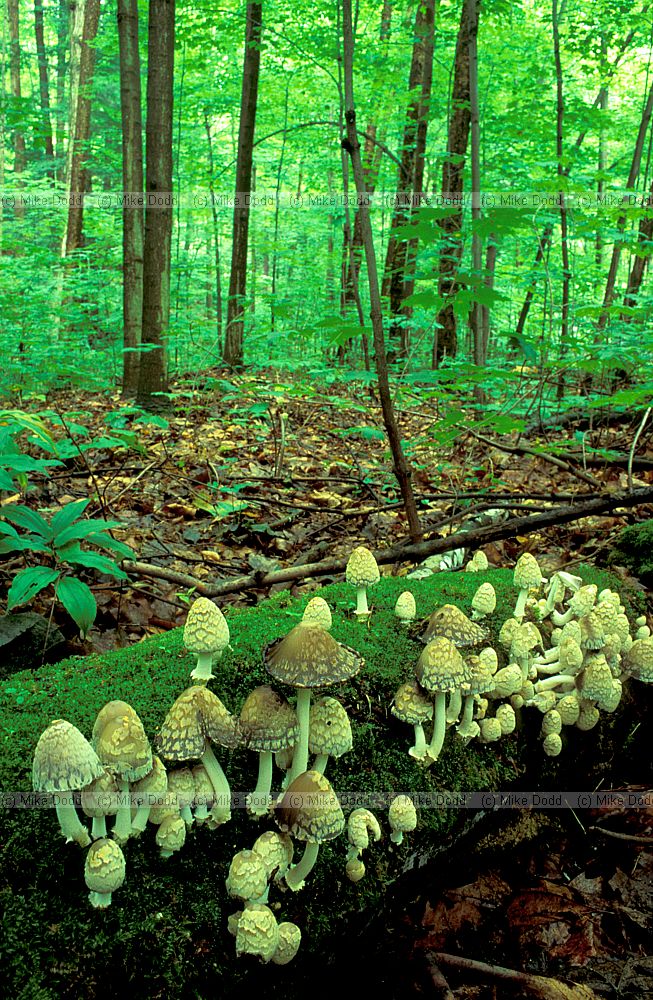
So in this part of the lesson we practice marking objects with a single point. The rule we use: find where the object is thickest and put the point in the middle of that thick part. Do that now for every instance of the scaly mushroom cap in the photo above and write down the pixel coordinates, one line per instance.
(484, 600)
(507, 633)
(64, 760)
(360, 824)
(405, 607)
(318, 612)
(402, 814)
(204, 791)
(362, 569)
(309, 809)
(505, 716)
(508, 681)
(489, 659)
(551, 722)
(571, 656)
(257, 932)
(480, 561)
(197, 716)
(589, 716)
(171, 834)
(582, 602)
(596, 679)
(182, 784)
(206, 629)
(248, 876)
(452, 623)
(592, 634)
(568, 708)
(123, 747)
(275, 851)
(310, 657)
(268, 721)
(100, 798)
(112, 710)
(290, 938)
(441, 668)
(611, 702)
(481, 678)
(330, 728)
(411, 706)
(552, 745)
(638, 661)
(491, 730)
(104, 868)
(355, 869)
(152, 787)
(527, 573)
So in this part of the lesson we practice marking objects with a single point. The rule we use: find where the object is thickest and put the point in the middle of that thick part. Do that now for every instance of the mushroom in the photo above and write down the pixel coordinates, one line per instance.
(329, 733)
(257, 933)
(527, 576)
(248, 877)
(555, 592)
(355, 870)
(318, 612)
(269, 724)
(360, 824)
(491, 730)
(525, 638)
(308, 657)
(204, 794)
(481, 681)
(552, 745)
(580, 603)
(551, 722)
(276, 851)
(309, 810)
(182, 784)
(507, 681)
(171, 835)
(290, 937)
(146, 793)
(484, 601)
(478, 563)
(452, 623)
(505, 716)
(402, 817)
(197, 717)
(64, 761)
(638, 661)
(104, 871)
(588, 716)
(206, 633)
(440, 670)
(568, 708)
(99, 800)
(410, 705)
(405, 608)
(362, 572)
(121, 744)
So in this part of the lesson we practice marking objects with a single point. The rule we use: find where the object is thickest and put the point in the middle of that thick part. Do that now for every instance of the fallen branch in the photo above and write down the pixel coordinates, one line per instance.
(630, 838)
(540, 987)
(403, 553)
(525, 450)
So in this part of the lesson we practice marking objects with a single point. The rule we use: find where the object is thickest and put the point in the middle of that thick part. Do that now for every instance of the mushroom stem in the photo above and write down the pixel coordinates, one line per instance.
(139, 822)
(361, 601)
(202, 671)
(455, 704)
(553, 682)
(296, 875)
(221, 811)
(122, 828)
(100, 899)
(518, 613)
(320, 762)
(439, 726)
(99, 827)
(419, 750)
(468, 715)
(300, 756)
(259, 800)
(71, 826)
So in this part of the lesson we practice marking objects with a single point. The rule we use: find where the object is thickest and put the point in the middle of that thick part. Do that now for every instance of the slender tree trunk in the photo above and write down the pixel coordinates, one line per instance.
(642, 260)
(238, 279)
(132, 181)
(44, 87)
(564, 239)
(633, 174)
(402, 469)
(476, 312)
(14, 77)
(3, 43)
(446, 338)
(60, 112)
(602, 157)
(80, 133)
(216, 236)
(153, 369)
(490, 267)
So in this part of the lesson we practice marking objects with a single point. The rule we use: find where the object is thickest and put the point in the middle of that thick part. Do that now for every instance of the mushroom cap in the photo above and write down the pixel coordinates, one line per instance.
(505, 715)
(123, 747)
(571, 656)
(552, 745)
(480, 561)
(489, 659)
(441, 668)
(196, 717)
(568, 708)
(402, 814)
(360, 824)
(100, 798)
(481, 678)
(527, 573)
(182, 784)
(171, 833)
(309, 810)
(362, 569)
(507, 681)
(551, 722)
(507, 632)
(611, 701)
(588, 717)
(491, 730)
(582, 602)
(290, 938)
(318, 612)
(206, 629)
(268, 721)
(275, 850)
(592, 633)
(204, 790)
(248, 876)
(410, 704)
(104, 868)
(596, 679)
(638, 661)
(452, 623)
(485, 599)
(405, 607)
(153, 786)
(329, 728)
(355, 869)
(64, 760)
(310, 657)
(112, 710)
(526, 637)
(257, 932)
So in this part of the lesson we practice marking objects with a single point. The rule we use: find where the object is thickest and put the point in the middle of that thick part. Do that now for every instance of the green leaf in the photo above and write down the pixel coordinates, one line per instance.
(24, 463)
(28, 583)
(78, 601)
(82, 529)
(73, 554)
(104, 541)
(26, 518)
(68, 514)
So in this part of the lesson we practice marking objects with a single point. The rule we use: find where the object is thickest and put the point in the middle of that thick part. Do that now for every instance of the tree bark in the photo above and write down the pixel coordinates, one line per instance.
(479, 343)
(14, 79)
(153, 369)
(44, 87)
(216, 236)
(562, 201)
(446, 337)
(132, 181)
(402, 469)
(642, 260)
(238, 279)
(60, 115)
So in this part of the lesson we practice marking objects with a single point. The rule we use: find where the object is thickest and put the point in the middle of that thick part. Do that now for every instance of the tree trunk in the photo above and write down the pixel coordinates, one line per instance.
(446, 338)
(402, 469)
(132, 180)
(153, 373)
(14, 78)
(641, 261)
(238, 279)
(60, 116)
(476, 313)
(80, 131)
(216, 236)
(562, 201)
(44, 88)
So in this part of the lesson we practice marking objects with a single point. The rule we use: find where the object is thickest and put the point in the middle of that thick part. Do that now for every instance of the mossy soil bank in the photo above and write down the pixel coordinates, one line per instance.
(165, 933)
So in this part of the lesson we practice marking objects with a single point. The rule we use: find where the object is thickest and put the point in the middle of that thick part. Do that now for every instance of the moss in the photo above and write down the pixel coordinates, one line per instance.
(165, 933)
(633, 548)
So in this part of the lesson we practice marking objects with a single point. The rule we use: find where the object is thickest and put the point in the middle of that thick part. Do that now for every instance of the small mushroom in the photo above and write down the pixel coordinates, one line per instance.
(171, 835)
(552, 745)
(248, 877)
(290, 937)
(410, 705)
(147, 793)
(329, 732)
(355, 869)
(309, 810)
(405, 608)
(104, 871)
(360, 824)
(121, 744)
(318, 612)
(276, 851)
(402, 817)
(206, 633)
(181, 784)
(362, 572)
(269, 724)
(440, 670)
(257, 932)
(484, 602)
(452, 623)
(98, 801)
(527, 576)
(204, 794)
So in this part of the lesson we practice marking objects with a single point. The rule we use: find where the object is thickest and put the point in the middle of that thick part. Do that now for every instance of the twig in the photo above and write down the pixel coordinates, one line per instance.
(631, 453)
(133, 482)
(630, 838)
(442, 989)
(537, 986)
(551, 459)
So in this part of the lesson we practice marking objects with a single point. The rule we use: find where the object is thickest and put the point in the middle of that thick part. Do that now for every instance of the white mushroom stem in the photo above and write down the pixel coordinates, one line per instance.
(202, 671)
(122, 827)
(361, 601)
(549, 683)
(100, 899)
(439, 726)
(468, 715)
(259, 799)
(300, 756)
(139, 822)
(518, 613)
(397, 836)
(221, 811)
(99, 827)
(419, 750)
(550, 656)
(561, 619)
(296, 875)
(455, 705)
(320, 762)
(71, 826)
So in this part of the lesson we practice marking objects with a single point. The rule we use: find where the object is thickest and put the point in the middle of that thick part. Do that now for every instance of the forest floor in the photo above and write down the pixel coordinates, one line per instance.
(268, 474)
